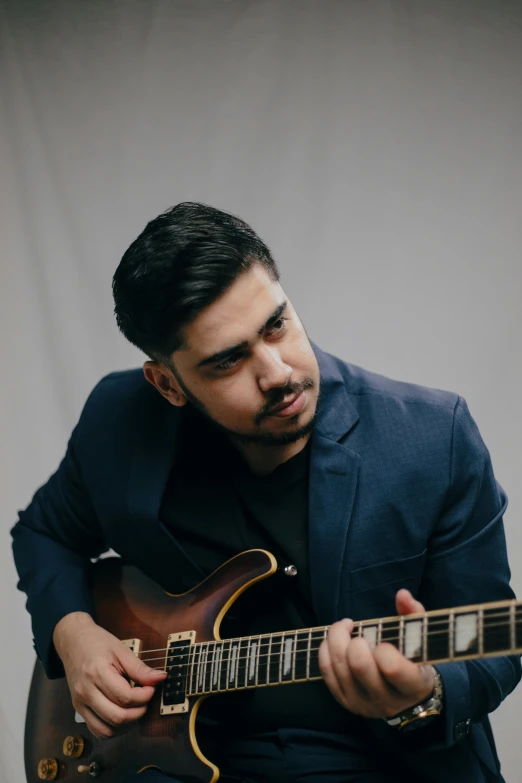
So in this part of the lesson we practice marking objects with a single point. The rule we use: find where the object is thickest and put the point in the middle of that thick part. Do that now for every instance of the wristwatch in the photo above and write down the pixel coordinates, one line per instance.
(420, 714)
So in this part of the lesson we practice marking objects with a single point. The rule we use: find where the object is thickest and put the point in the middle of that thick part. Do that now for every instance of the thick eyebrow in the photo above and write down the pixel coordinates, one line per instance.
(226, 352)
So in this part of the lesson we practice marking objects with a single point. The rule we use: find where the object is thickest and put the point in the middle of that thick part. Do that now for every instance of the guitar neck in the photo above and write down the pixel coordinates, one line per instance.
(439, 636)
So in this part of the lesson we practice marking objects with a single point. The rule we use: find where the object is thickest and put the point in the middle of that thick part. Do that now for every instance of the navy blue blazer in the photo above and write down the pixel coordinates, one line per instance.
(402, 494)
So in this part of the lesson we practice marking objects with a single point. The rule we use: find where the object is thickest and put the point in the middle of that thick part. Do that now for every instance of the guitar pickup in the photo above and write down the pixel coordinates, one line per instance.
(174, 691)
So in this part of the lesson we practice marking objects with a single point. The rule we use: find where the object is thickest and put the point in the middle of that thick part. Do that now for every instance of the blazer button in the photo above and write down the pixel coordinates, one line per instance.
(463, 728)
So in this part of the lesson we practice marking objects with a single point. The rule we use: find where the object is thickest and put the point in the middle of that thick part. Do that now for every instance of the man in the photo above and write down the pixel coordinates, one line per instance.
(239, 434)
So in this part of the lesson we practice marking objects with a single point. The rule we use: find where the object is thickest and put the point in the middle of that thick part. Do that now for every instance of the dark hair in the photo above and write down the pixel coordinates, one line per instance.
(183, 261)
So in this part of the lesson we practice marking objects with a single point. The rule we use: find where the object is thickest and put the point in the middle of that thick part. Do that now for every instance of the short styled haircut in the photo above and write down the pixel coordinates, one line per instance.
(181, 262)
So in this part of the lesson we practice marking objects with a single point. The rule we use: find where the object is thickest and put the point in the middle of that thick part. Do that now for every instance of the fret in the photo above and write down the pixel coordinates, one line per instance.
(379, 632)
(225, 663)
(274, 661)
(268, 660)
(316, 638)
(208, 667)
(242, 663)
(201, 669)
(497, 631)
(199, 683)
(413, 639)
(232, 669)
(280, 664)
(217, 665)
(389, 632)
(465, 635)
(252, 662)
(238, 666)
(401, 635)
(361, 628)
(370, 634)
(301, 656)
(294, 657)
(425, 638)
(481, 630)
(308, 654)
(205, 667)
(512, 626)
(192, 655)
(438, 637)
(210, 672)
(451, 647)
(195, 665)
(229, 661)
(287, 658)
(262, 660)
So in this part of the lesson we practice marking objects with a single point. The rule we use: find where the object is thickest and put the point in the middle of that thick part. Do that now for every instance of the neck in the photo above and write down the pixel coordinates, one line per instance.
(438, 636)
(263, 458)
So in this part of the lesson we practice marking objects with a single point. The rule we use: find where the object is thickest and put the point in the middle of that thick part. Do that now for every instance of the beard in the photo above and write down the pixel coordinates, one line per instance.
(266, 438)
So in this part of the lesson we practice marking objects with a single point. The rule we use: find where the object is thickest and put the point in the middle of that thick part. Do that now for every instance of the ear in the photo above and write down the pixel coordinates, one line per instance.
(165, 382)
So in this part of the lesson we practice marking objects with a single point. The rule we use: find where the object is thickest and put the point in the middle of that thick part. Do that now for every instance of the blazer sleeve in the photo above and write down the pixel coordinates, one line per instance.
(467, 564)
(53, 541)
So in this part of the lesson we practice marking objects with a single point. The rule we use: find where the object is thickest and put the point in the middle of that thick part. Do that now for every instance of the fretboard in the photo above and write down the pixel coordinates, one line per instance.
(273, 659)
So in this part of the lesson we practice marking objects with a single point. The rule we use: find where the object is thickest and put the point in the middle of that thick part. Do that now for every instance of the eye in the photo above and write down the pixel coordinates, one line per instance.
(230, 362)
(278, 326)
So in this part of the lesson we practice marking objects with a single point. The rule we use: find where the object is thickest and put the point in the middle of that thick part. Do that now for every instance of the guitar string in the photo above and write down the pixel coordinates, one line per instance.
(291, 635)
(302, 657)
(261, 652)
(387, 625)
(266, 674)
(198, 649)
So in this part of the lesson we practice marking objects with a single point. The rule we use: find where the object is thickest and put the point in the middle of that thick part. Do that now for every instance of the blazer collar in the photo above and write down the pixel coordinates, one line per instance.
(336, 412)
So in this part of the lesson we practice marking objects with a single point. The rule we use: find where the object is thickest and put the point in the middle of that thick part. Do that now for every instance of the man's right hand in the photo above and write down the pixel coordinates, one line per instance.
(95, 664)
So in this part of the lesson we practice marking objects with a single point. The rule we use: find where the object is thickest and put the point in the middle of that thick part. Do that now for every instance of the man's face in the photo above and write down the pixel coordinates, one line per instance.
(248, 364)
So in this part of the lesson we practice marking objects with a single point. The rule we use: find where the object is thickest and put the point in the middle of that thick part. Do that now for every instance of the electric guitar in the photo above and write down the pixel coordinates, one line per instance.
(180, 634)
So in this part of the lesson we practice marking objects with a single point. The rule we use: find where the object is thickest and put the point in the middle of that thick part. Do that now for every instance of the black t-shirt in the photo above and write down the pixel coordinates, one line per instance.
(216, 507)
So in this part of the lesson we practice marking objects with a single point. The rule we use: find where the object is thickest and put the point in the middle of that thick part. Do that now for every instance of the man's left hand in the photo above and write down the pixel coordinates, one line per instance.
(378, 682)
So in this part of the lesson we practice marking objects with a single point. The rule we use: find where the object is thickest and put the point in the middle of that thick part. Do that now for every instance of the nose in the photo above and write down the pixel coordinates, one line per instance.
(273, 372)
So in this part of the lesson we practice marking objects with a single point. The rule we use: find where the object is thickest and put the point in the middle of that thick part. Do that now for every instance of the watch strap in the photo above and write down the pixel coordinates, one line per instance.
(418, 713)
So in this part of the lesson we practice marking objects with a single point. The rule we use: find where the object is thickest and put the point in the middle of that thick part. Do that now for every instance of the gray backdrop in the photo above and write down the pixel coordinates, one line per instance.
(374, 144)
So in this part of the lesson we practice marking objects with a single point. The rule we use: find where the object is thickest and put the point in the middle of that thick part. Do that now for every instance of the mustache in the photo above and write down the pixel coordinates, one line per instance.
(277, 396)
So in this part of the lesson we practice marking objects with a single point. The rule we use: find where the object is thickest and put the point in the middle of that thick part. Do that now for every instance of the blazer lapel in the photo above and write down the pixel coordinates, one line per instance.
(151, 463)
(333, 481)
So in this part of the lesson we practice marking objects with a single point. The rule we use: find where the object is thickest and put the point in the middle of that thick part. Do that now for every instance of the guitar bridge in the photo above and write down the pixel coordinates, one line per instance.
(174, 692)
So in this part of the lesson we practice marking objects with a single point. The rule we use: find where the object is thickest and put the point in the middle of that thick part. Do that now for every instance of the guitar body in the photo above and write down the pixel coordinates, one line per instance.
(180, 634)
(132, 606)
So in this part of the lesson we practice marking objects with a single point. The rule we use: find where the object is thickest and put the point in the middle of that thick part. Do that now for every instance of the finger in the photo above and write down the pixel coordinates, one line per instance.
(406, 603)
(95, 724)
(336, 645)
(111, 713)
(333, 662)
(411, 681)
(119, 691)
(138, 670)
(365, 671)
